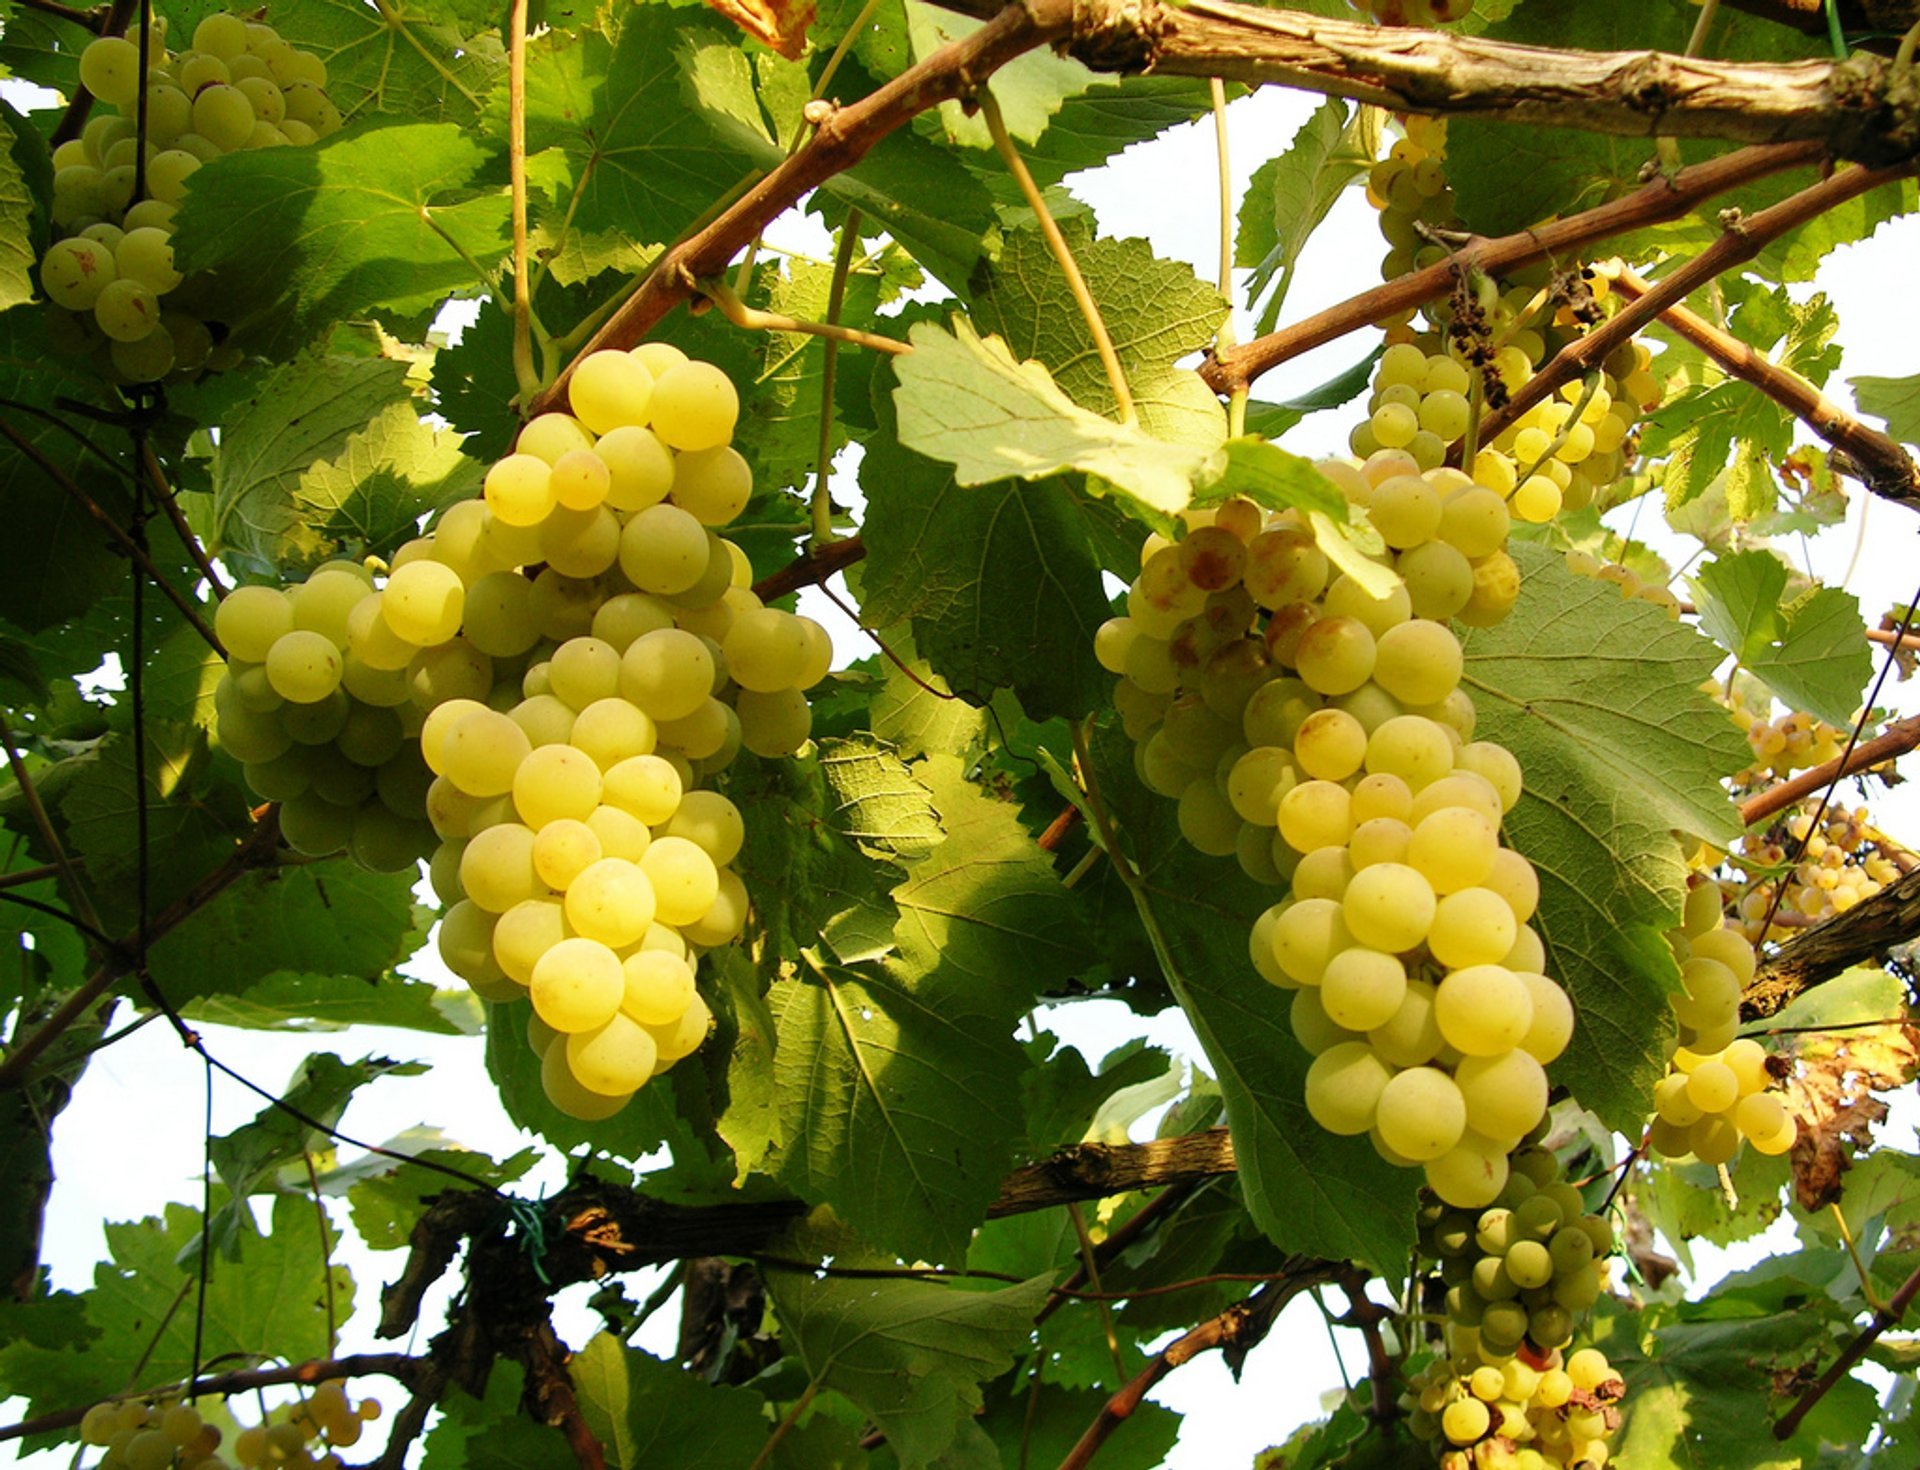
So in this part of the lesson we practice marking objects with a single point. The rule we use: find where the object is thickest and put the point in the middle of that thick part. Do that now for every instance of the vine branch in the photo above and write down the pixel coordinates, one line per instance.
(1864, 932)
(1653, 203)
(1898, 738)
(1740, 241)
(1883, 1318)
(1861, 108)
(1883, 465)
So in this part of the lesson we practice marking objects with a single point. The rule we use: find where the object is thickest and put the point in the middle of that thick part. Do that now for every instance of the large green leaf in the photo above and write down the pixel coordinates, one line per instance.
(1598, 697)
(415, 60)
(968, 401)
(651, 1414)
(368, 499)
(1156, 311)
(1000, 581)
(17, 212)
(1308, 1190)
(494, 1432)
(269, 1304)
(912, 1354)
(288, 1001)
(375, 218)
(1895, 400)
(1807, 648)
(1290, 195)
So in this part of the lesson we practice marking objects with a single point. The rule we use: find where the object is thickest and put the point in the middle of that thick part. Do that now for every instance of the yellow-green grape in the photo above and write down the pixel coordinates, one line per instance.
(640, 469)
(647, 786)
(609, 899)
(1330, 745)
(1483, 1010)
(1305, 936)
(584, 670)
(126, 310)
(524, 933)
(423, 602)
(1418, 662)
(1471, 927)
(664, 550)
(684, 1036)
(74, 272)
(250, 620)
(612, 730)
(610, 389)
(1361, 988)
(1505, 1094)
(1344, 1086)
(621, 833)
(1335, 655)
(580, 480)
(615, 1058)
(519, 489)
(580, 543)
(146, 255)
(694, 406)
(223, 116)
(303, 666)
(1421, 1114)
(466, 941)
(712, 485)
(577, 985)
(556, 781)
(549, 436)
(1454, 849)
(711, 822)
(498, 615)
(1470, 1174)
(566, 1093)
(668, 673)
(1389, 906)
(110, 69)
(497, 869)
(775, 724)
(726, 916)
(482, 751)
(545, 719)
(659, 986)
(684, 879)
(766, 649)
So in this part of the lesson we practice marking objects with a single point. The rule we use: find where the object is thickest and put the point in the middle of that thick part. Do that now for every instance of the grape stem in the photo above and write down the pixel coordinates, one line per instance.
(525, 374)
(132, 549)
(88, 18)
(170, 506)
(752, 319)
(1883, 1318)
(1886, 468)
(1365, 1315)
(78, 898)
(1057, 243)
(787, 1421)
(1090, 1266)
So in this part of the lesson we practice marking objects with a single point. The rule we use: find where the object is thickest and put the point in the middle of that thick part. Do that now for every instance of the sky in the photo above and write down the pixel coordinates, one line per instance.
(130, 1141)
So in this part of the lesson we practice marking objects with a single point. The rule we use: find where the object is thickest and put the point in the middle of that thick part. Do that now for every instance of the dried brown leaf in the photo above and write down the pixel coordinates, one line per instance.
(781, 24)
(1831, 1095)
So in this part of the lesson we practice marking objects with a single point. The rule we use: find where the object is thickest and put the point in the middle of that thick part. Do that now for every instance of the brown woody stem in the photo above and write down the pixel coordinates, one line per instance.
(1898, 738)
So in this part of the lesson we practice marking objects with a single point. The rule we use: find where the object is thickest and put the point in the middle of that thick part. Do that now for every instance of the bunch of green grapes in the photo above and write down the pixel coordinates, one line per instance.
(319, 730)
(1523, 1273)
(1710, 1102)
(136, 1435)
(1560, 452)
(1795, 741)
(1319, 733)
(567, 660)
(1519, 1413)
(110, 275)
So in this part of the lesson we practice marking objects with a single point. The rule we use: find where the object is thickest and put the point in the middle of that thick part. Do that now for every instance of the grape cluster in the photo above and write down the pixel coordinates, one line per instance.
(1710, 1101)
(1584, 564)
(1525, 1271)
(238, 86)
(1836, 866)
(551, 676)
(1546, 1413)
(1793, 742)
(1561, 451)
(1319, 734)
(133, 1435)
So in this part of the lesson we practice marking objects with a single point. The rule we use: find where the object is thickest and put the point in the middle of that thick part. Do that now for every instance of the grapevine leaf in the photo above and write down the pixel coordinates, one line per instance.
(494, 1432)
(271, 1301)
(248, 1158)
(291, 240)
(73, 566)
(1000, 582)
(1268, 475)
(26, 1154)
(1271, 420)
(1110, 114)
(1306, 1189)
(17, 211)
(915, 714)
(1049, 1427)
(878, 803)
(303, 414)
(1808, 648)
(1894, 400)
(1598, 698)
(388, 1197)
(910, 1353)
(650, 124)
(369, 498)
(1030, 89)
(1157, 312)
(965, 400)
(1846, 1000)
(289, 1001)
(897, 1104)
(1291, 194)
(396, 58)
(322, 919)
(1707, 1385)
(654, 1414)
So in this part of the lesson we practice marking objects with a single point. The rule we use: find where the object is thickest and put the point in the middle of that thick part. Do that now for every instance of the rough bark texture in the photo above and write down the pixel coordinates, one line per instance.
(1864, 932)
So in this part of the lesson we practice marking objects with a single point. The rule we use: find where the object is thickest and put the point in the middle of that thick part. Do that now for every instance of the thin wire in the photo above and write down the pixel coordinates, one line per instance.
(1853, 739)
(206, 1230)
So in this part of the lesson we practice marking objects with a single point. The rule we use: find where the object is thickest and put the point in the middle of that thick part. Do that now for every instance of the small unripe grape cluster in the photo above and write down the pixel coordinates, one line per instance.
(1837, 866)
(1710, 1102)
(553, 673)
(1792, 742)
(1519, 1413)
(1525, 1272)
(238, 86)
(1584, 564)
(135, 1435)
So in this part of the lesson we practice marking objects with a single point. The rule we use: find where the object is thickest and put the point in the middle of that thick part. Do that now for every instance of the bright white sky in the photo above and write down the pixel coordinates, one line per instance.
(130, 1142)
